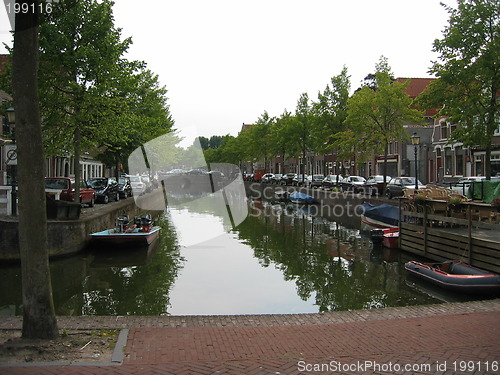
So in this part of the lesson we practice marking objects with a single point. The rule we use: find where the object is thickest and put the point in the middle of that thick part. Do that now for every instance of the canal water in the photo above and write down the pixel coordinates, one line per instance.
(282, 259)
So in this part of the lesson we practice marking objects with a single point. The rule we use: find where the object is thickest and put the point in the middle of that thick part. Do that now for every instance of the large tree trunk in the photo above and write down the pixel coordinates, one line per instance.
(39, 319)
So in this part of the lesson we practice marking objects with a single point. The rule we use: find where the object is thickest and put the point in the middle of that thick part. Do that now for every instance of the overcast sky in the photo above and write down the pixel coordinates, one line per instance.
(225, 62)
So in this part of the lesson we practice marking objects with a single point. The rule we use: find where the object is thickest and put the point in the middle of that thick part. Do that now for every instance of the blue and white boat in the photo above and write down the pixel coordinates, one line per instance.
(140, 233)
(302, 198)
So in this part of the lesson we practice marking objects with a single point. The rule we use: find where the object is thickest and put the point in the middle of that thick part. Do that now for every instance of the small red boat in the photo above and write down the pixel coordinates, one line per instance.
(456, 276)
(391, 238)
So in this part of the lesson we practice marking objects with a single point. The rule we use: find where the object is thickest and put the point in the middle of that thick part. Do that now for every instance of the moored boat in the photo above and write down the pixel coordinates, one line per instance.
(141, 232)
(391, 238)
(281, 196)
(456, 276)
(303, 198)
(382, 216)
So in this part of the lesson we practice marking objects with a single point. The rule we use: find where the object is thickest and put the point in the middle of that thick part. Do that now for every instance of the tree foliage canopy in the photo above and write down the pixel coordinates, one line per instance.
(89, 92)
(468, 71)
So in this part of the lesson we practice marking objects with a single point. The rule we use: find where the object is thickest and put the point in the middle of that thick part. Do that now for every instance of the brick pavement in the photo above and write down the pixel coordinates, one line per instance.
(434, 339)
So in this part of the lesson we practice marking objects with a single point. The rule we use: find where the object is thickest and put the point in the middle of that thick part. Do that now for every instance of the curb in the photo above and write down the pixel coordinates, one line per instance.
(119, 351)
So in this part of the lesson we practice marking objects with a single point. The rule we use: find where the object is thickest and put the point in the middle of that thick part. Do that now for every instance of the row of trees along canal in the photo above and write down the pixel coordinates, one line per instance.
(73, 91)
(357, 126)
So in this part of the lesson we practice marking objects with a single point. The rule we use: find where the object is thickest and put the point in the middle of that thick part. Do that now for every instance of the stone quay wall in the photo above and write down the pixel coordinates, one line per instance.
(66, 237)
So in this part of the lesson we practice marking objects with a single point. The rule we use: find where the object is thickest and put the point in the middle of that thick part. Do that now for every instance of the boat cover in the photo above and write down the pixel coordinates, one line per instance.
(384, 212)
(301, 197)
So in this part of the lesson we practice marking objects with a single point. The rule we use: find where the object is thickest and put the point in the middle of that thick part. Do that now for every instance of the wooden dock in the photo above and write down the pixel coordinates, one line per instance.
(442, 237)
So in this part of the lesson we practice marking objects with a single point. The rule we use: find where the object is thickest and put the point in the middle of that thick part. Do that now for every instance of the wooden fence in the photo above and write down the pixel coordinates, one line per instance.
(442, 237)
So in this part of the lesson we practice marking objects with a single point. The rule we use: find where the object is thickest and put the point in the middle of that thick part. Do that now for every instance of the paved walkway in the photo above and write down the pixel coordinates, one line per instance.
(455, 338)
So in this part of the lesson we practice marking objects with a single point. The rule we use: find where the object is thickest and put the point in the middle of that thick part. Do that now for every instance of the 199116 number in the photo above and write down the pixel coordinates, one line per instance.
(473, 366)
(28, 8)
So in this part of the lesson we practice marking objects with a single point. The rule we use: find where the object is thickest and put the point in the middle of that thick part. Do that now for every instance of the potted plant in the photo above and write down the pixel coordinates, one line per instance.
(455, 204)
(419, 199)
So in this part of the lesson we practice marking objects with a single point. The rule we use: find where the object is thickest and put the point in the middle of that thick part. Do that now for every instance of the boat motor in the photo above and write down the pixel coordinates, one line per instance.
(144, 222)
(122, 223)
(377, 236)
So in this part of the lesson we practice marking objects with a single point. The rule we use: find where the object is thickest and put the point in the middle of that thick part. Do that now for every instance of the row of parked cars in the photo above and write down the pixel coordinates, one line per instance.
(99, 189)
(373, 185)
(353, 183)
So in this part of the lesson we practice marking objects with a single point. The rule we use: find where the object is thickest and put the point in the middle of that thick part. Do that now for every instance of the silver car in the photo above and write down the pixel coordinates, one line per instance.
(138, 185)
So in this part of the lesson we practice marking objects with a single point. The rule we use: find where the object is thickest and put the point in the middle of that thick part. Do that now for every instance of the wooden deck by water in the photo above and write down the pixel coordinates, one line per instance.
(440, 237)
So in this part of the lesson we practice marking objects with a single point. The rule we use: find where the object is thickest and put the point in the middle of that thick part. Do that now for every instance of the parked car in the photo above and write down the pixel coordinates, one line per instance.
(267, 178)
(396, 186)
(149, 184)
(374, 185)
(65, 188)
(300, 180)
(124, 187)
(277, 178)
(106, 188)
(258, 173)
(331, 181)
(353, 183)
(138, 186)
(288, 179)
(248, 176)
(462, 186)
(315, 181)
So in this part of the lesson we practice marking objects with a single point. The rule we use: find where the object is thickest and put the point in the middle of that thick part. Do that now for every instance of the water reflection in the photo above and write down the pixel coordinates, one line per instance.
(105, 282)
(334, 263)
(281, 259)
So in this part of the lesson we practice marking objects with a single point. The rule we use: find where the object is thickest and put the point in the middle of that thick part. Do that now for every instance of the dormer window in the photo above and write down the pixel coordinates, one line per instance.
(444, 130)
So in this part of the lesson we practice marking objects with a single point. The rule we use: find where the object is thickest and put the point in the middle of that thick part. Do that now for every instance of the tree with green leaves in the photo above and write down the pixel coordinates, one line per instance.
(89, 91)
(468, 72)
(204, 143)
(143, 116)
(39, 321)
(281, 134)
(231, 150)
(330, 111)
(300, 132)
(80, 52)
(213, 142)
(260, 141)
(375, 116)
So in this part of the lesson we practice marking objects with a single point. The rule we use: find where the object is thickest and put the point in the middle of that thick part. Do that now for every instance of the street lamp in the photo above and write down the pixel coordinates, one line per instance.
(415, 141)
(11, 115)
(11, 119)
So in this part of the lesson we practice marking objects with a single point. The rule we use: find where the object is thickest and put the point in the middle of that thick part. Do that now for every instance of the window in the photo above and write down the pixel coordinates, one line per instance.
(495, 164)
(448, 162)
(444, 130)
(459, 161)
(453, 127)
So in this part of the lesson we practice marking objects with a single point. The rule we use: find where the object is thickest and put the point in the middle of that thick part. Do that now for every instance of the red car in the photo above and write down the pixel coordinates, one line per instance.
(65, 187)
(258, 174)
